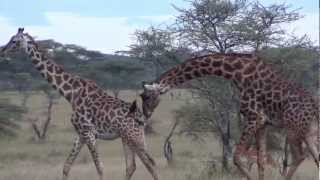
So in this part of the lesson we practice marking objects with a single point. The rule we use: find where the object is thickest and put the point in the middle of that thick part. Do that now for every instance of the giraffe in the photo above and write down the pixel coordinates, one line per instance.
(266, 98)
(96, 115)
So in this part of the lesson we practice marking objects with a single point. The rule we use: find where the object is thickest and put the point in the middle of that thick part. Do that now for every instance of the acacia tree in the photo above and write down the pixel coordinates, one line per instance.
(211, 114)
(208, 25)
(41, 128)
(262, 26)
(222, 26)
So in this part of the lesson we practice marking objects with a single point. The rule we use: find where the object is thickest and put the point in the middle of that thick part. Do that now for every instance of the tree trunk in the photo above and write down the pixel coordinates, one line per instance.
(42, 135)
(226, 146)
(47, 122)
(35, 127)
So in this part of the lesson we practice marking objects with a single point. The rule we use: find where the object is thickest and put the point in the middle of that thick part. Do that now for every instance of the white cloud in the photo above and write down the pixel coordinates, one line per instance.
(106, 34)
(109, 34)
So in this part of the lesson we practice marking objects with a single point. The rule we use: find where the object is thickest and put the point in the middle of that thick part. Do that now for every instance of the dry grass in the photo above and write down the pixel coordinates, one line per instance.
(23, 159)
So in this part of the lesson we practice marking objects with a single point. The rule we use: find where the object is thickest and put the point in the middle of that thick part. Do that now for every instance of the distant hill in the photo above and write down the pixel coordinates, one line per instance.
(78, 52)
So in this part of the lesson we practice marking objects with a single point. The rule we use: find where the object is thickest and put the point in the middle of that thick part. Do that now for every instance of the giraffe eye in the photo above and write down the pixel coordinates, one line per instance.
(14, 41)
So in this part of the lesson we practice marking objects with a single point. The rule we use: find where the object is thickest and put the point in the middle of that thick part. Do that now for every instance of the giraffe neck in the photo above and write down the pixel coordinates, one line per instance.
(60, 80)
(234, 67)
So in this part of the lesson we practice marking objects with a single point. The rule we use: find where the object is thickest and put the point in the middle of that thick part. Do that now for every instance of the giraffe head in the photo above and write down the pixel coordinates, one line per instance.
(19, 41)
(150, 98)
(135, 114)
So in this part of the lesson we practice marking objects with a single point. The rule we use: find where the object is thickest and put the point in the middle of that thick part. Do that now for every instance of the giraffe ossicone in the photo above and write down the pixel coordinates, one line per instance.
(20, 30)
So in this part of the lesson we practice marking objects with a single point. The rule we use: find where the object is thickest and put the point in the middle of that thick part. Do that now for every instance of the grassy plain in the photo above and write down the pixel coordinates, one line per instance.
(22, 158)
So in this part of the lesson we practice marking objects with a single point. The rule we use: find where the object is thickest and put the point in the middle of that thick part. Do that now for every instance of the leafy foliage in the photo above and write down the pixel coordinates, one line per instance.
(115, 74)
(222, 26)
(158, 49)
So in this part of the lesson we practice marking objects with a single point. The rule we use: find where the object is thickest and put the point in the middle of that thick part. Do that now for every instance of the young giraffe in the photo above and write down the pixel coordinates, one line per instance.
(266, 98)
(96, 115)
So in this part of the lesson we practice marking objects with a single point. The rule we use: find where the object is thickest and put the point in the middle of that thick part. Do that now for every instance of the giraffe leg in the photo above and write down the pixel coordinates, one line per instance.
(78, 144)
(297, 157)
(148, 161)
(261, 147)
(130, 161)
(284, 169)
(241, 149)
(91, 143)
(137, 144)
(312, 144)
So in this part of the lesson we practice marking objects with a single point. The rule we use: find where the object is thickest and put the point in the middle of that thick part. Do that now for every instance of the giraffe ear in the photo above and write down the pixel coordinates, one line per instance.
(152, 87)
(133, 107)
(144, 83)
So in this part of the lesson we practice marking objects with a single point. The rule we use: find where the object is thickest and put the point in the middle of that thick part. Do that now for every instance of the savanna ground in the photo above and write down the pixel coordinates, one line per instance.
(22, 158)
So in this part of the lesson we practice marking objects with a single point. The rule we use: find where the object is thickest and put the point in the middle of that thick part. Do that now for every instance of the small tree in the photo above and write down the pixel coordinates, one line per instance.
(209, 26)
(41, 130)
(213, 112)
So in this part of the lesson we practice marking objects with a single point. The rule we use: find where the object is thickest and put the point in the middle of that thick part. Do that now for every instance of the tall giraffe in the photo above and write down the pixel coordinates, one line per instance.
(96, 115)
(265, 99)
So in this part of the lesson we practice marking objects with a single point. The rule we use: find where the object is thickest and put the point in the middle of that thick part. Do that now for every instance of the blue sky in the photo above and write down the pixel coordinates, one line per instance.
(108, 25)
(31, 12)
